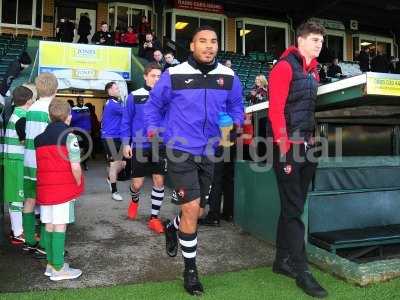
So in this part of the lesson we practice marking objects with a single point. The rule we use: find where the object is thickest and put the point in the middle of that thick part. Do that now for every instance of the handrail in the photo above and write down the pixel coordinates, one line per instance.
(34, 64)
(137, 62)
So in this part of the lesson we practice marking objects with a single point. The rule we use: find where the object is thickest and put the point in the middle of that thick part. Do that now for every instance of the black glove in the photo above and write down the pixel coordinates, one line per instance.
(235, 133)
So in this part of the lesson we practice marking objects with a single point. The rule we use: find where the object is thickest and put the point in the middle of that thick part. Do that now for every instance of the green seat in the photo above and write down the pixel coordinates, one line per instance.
(16, 46)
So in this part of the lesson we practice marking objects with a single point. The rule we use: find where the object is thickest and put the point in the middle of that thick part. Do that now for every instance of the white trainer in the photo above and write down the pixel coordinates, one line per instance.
(65, 273)
(50, 269)
(116, 196)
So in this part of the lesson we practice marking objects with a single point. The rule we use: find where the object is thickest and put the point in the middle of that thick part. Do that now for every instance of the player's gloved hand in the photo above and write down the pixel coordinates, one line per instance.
(151, 135)
(235, 133)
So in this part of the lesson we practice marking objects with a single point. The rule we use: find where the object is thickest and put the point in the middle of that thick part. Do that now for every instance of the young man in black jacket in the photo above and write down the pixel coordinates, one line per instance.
(103, 36)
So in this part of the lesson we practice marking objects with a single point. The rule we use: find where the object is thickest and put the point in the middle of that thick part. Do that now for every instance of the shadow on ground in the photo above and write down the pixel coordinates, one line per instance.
(112, 250)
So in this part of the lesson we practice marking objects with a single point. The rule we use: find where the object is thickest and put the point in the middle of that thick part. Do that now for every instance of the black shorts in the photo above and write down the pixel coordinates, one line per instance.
(145, 164)
(192, 178)
(112, 149)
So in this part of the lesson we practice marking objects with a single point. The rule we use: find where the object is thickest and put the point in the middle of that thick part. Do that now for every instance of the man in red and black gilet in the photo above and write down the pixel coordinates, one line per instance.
(293, 84)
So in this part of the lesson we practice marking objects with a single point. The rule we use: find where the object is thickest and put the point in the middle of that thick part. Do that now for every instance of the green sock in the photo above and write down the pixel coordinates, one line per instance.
(58, 243)
(43, 236)
(48, 247)
(28, 223)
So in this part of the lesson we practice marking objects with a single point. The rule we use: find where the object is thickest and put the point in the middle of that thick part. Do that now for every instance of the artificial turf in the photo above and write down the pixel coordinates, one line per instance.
(254, 284)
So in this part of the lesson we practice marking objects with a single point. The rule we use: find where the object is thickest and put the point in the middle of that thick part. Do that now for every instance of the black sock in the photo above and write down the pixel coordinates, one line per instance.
(134, 195)
(113, 187)
(188, 242)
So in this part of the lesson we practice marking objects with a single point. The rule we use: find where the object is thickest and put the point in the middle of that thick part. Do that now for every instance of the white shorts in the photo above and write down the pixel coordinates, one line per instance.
(58, 214)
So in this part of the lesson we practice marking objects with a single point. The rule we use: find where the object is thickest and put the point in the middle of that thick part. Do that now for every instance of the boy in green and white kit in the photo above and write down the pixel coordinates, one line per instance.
(59, 183)
(14, 161)
(37, 119)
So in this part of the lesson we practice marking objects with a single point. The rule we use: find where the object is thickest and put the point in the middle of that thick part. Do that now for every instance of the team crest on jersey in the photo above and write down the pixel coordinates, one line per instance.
(314, 75)
(220, 81)
(181, 193)
(287, 169)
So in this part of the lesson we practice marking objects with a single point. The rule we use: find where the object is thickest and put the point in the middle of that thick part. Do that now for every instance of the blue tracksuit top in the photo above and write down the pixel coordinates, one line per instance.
(111, 121)
(187, 103)
(81, 118)
(133, 127)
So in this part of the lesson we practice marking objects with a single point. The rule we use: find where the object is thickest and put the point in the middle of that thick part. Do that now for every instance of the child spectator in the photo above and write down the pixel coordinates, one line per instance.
(170, 60)
(14, 161)
(118, 36)
(130, 38)
(37, 119)
(59, 183)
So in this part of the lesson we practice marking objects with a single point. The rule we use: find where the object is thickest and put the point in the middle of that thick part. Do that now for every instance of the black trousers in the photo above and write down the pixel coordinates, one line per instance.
(83, 39)
(223, 184)
(83, 144)
(294, 174)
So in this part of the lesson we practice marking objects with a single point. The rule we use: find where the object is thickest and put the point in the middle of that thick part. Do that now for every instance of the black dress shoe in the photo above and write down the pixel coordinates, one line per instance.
(209, 221)
(284, 267)
(306, 281)
(191, 282)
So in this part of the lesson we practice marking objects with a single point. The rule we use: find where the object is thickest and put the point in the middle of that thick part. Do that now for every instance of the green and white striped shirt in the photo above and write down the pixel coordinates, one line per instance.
(13, 149)
(37, 119)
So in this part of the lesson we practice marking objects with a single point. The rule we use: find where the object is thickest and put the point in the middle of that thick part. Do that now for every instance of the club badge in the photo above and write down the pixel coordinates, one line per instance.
(287, 169)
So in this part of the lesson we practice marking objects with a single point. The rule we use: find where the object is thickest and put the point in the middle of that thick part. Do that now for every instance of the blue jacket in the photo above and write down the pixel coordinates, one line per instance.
(133, 128)
(188, 102)
(111, 121)
(81, 118)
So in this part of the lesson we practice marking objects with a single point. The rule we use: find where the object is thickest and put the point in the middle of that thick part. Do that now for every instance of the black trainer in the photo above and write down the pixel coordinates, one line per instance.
(29, 249)
(306, 281)
(171, 239)
(40, 253)
(284, 267)
(191, 282)
(209, 220)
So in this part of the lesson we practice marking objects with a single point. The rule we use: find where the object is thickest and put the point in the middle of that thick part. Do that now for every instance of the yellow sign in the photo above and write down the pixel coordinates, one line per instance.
(383, 84)
(81, 61)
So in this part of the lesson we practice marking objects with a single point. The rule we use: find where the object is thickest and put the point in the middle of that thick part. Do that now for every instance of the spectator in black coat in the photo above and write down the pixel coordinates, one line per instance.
(103, 36)
(13, 72)
(84, 28)
(363, 60)
(69, 31)
(380, 63)
(147, 48)
(334, 69)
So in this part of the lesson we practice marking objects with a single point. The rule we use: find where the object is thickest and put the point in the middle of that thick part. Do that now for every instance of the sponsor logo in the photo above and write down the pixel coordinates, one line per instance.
(86, 53)
(84, 74)
(187, 81)
(181, 193)
(220, 81)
